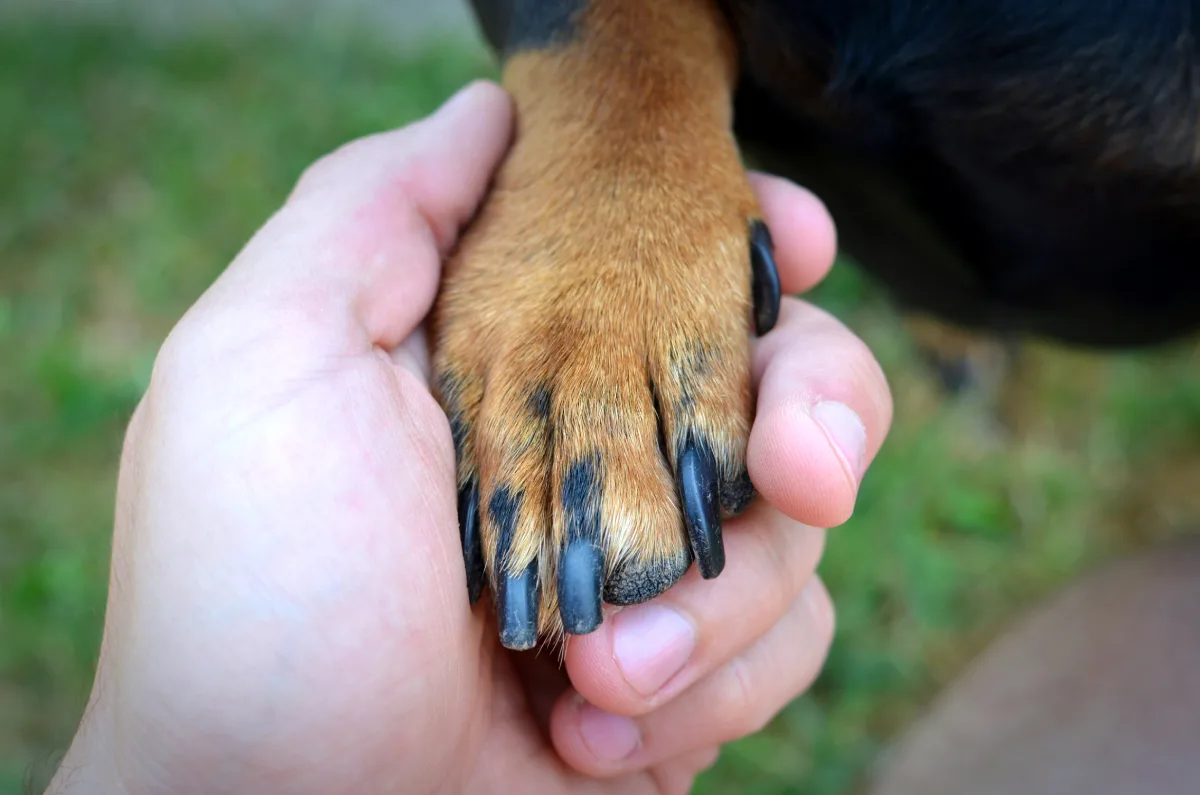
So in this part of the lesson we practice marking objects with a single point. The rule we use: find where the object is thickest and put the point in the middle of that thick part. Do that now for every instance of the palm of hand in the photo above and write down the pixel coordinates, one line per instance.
(354, 465)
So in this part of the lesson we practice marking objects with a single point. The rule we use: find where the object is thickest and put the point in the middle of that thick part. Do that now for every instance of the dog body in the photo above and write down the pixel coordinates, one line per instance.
(1019, 165)
(1012, 164)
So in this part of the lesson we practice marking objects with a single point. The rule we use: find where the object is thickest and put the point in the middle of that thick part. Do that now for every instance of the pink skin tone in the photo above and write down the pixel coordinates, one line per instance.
(288, 609)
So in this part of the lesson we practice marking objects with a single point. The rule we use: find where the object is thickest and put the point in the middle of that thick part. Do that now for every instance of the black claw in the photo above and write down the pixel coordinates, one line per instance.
(472, 544)
(697, 472)
(518, 595)
(580, 577)
(765, 279)
(581, 565)
(634, 583)
(517, 599)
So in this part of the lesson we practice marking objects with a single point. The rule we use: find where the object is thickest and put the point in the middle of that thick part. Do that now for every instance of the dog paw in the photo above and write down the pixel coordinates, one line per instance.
(592, 351)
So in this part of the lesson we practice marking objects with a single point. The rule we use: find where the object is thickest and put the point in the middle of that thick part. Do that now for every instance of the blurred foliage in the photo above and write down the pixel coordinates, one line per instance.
(131, 171)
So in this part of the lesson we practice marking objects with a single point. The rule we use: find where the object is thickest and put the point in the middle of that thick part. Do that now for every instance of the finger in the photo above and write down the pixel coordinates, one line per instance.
(360, 240)
(736, 700)
(541, 677)
(698, 761)
(801, 228)
(647, 654)
(824, 409)
(678, 776)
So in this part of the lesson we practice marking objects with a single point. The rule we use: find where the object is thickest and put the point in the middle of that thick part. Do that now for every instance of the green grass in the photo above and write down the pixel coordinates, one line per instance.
(131, 172)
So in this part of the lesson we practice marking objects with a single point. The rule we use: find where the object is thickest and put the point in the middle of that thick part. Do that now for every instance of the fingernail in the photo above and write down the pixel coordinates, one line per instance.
(846, 431)
(651, 643)
(610, 737)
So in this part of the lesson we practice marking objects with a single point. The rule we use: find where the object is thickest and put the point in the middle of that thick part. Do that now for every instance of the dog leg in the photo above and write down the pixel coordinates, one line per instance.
(593, 332)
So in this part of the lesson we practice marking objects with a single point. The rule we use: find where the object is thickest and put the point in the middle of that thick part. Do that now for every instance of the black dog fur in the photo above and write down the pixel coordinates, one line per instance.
(1016, 165)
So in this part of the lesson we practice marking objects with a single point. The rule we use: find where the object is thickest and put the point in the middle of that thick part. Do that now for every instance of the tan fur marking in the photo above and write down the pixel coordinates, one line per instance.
(612, 248)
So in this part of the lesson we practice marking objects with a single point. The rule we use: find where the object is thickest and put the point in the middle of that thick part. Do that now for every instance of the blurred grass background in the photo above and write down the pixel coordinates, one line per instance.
(133, 165)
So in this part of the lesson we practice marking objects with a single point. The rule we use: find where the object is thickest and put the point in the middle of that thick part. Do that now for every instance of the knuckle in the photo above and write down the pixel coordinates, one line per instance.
(176, 355)
(198, 343)
(220, 341)
(780, 573)
(315, 174)
(801, 549)
(821, 610)
(331, 165)
(738, 703)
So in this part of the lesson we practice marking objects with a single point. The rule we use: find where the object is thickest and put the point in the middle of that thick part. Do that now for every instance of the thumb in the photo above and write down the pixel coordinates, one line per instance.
(358, 245)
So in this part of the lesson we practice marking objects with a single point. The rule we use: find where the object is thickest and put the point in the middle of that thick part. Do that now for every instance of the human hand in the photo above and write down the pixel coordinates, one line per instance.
(288, 610)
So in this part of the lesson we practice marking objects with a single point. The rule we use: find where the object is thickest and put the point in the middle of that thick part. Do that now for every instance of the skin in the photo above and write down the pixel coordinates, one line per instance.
(288, 610)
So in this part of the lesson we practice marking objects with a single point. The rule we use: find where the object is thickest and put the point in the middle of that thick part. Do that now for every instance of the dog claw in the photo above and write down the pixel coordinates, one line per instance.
(472, 543)
(517, 599)
(765, 280)
(697, 474)
(518, 594)
(580, 579)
